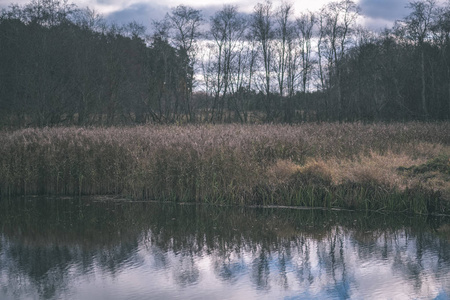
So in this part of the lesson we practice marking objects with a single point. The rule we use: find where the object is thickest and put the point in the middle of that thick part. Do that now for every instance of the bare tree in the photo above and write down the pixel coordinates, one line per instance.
(441, 37)
(186, 23)
(335, 23)
(283, 37)
(418, 28)
(263, 32)
(304, 29)
(227, 31)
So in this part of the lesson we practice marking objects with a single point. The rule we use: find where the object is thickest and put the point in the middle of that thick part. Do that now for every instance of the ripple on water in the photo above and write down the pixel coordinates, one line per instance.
(271, 255)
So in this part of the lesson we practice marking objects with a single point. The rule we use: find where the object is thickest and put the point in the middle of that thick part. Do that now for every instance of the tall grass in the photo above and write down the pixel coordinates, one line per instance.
(347, 165)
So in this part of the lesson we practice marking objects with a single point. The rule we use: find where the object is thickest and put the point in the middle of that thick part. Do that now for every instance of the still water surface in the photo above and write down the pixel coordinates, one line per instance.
(92, 249)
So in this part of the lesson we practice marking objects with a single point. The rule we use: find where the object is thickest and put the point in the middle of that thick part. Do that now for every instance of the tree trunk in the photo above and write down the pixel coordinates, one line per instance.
(424, 100)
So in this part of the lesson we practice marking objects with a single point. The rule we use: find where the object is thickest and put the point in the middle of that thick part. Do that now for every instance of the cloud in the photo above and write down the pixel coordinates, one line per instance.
(388, 10)
(383, 13)
(143, 13)
(378, 13)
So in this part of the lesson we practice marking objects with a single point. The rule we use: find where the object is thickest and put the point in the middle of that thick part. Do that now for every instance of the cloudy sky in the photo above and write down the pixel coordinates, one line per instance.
(377, 13)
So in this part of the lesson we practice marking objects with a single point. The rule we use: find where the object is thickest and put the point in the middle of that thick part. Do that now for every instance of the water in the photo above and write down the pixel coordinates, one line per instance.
(96, 249)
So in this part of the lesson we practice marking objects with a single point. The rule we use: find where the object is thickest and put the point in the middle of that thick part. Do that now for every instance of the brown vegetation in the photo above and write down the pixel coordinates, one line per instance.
(377, 166)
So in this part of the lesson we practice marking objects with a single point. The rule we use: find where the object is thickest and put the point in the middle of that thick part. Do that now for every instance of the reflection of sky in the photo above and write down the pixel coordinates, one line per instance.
(352, 278)
(335, 267)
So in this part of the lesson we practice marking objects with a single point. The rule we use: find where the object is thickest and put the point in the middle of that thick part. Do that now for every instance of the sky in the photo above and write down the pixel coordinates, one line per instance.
(377, 14)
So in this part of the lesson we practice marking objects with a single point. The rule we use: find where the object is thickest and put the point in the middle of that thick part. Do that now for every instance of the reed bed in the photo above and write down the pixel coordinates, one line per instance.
(363, 166)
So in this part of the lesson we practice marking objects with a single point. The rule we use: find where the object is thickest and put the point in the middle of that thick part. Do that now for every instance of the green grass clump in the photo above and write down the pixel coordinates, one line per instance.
(440, 164)
(328, 165)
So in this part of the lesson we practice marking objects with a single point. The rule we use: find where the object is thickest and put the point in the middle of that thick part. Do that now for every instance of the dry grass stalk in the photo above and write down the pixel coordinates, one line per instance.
(224, 163)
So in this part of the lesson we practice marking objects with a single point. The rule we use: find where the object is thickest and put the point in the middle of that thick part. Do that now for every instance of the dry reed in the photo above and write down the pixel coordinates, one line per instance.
(347, 165)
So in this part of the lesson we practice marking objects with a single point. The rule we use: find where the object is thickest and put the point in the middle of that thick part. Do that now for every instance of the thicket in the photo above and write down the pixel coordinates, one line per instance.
(321, 165)
(63, 65)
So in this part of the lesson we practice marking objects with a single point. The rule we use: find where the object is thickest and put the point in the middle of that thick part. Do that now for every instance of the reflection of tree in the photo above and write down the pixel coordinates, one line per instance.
(260, 270)
(45, 244)
(282, 259)
(417, 254)
(186, 271)
(49, 269)
(332, 260)
(160, 259)
(229, 268)
(118, 257)
(45, 268)
(304, 266)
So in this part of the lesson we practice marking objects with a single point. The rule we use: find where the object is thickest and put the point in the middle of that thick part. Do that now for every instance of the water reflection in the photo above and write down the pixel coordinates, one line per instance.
(81, 248)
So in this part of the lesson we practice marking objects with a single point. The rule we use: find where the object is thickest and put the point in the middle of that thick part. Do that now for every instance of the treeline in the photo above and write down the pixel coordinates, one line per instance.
(63, 65)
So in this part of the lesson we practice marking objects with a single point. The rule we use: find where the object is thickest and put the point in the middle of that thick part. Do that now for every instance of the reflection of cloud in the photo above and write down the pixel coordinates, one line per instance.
(192, 261)
(247, 272)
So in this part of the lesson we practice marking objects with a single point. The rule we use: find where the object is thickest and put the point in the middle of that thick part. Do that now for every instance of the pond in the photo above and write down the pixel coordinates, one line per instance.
(94, 248)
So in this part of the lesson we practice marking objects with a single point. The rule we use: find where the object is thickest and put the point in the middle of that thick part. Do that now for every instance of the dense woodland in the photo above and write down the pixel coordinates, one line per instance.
(60, 65)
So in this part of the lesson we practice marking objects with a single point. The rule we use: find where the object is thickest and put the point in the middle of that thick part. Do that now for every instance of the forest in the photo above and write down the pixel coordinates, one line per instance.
(63, 65)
